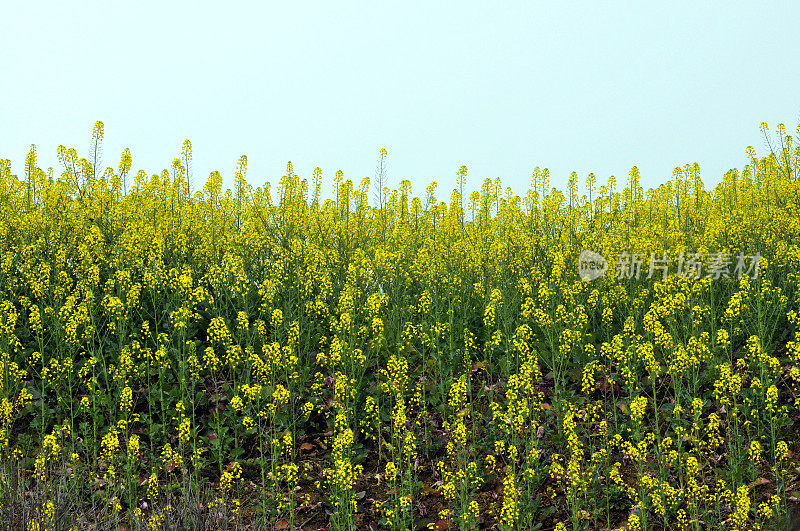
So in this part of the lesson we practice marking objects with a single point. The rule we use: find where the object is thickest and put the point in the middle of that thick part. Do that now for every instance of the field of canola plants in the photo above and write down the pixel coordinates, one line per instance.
(178, 358)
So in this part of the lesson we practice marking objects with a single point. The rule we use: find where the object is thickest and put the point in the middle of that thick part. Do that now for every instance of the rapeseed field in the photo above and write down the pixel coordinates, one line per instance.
(602, 357)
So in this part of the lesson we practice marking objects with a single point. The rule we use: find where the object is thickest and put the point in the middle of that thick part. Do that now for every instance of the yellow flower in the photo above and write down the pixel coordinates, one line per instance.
(754, 452)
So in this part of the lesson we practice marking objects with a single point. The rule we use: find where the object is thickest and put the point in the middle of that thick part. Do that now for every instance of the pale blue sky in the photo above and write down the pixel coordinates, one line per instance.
(501, 87)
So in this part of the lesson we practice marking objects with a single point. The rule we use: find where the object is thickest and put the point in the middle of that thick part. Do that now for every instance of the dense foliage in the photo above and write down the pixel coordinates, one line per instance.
(180, 358)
